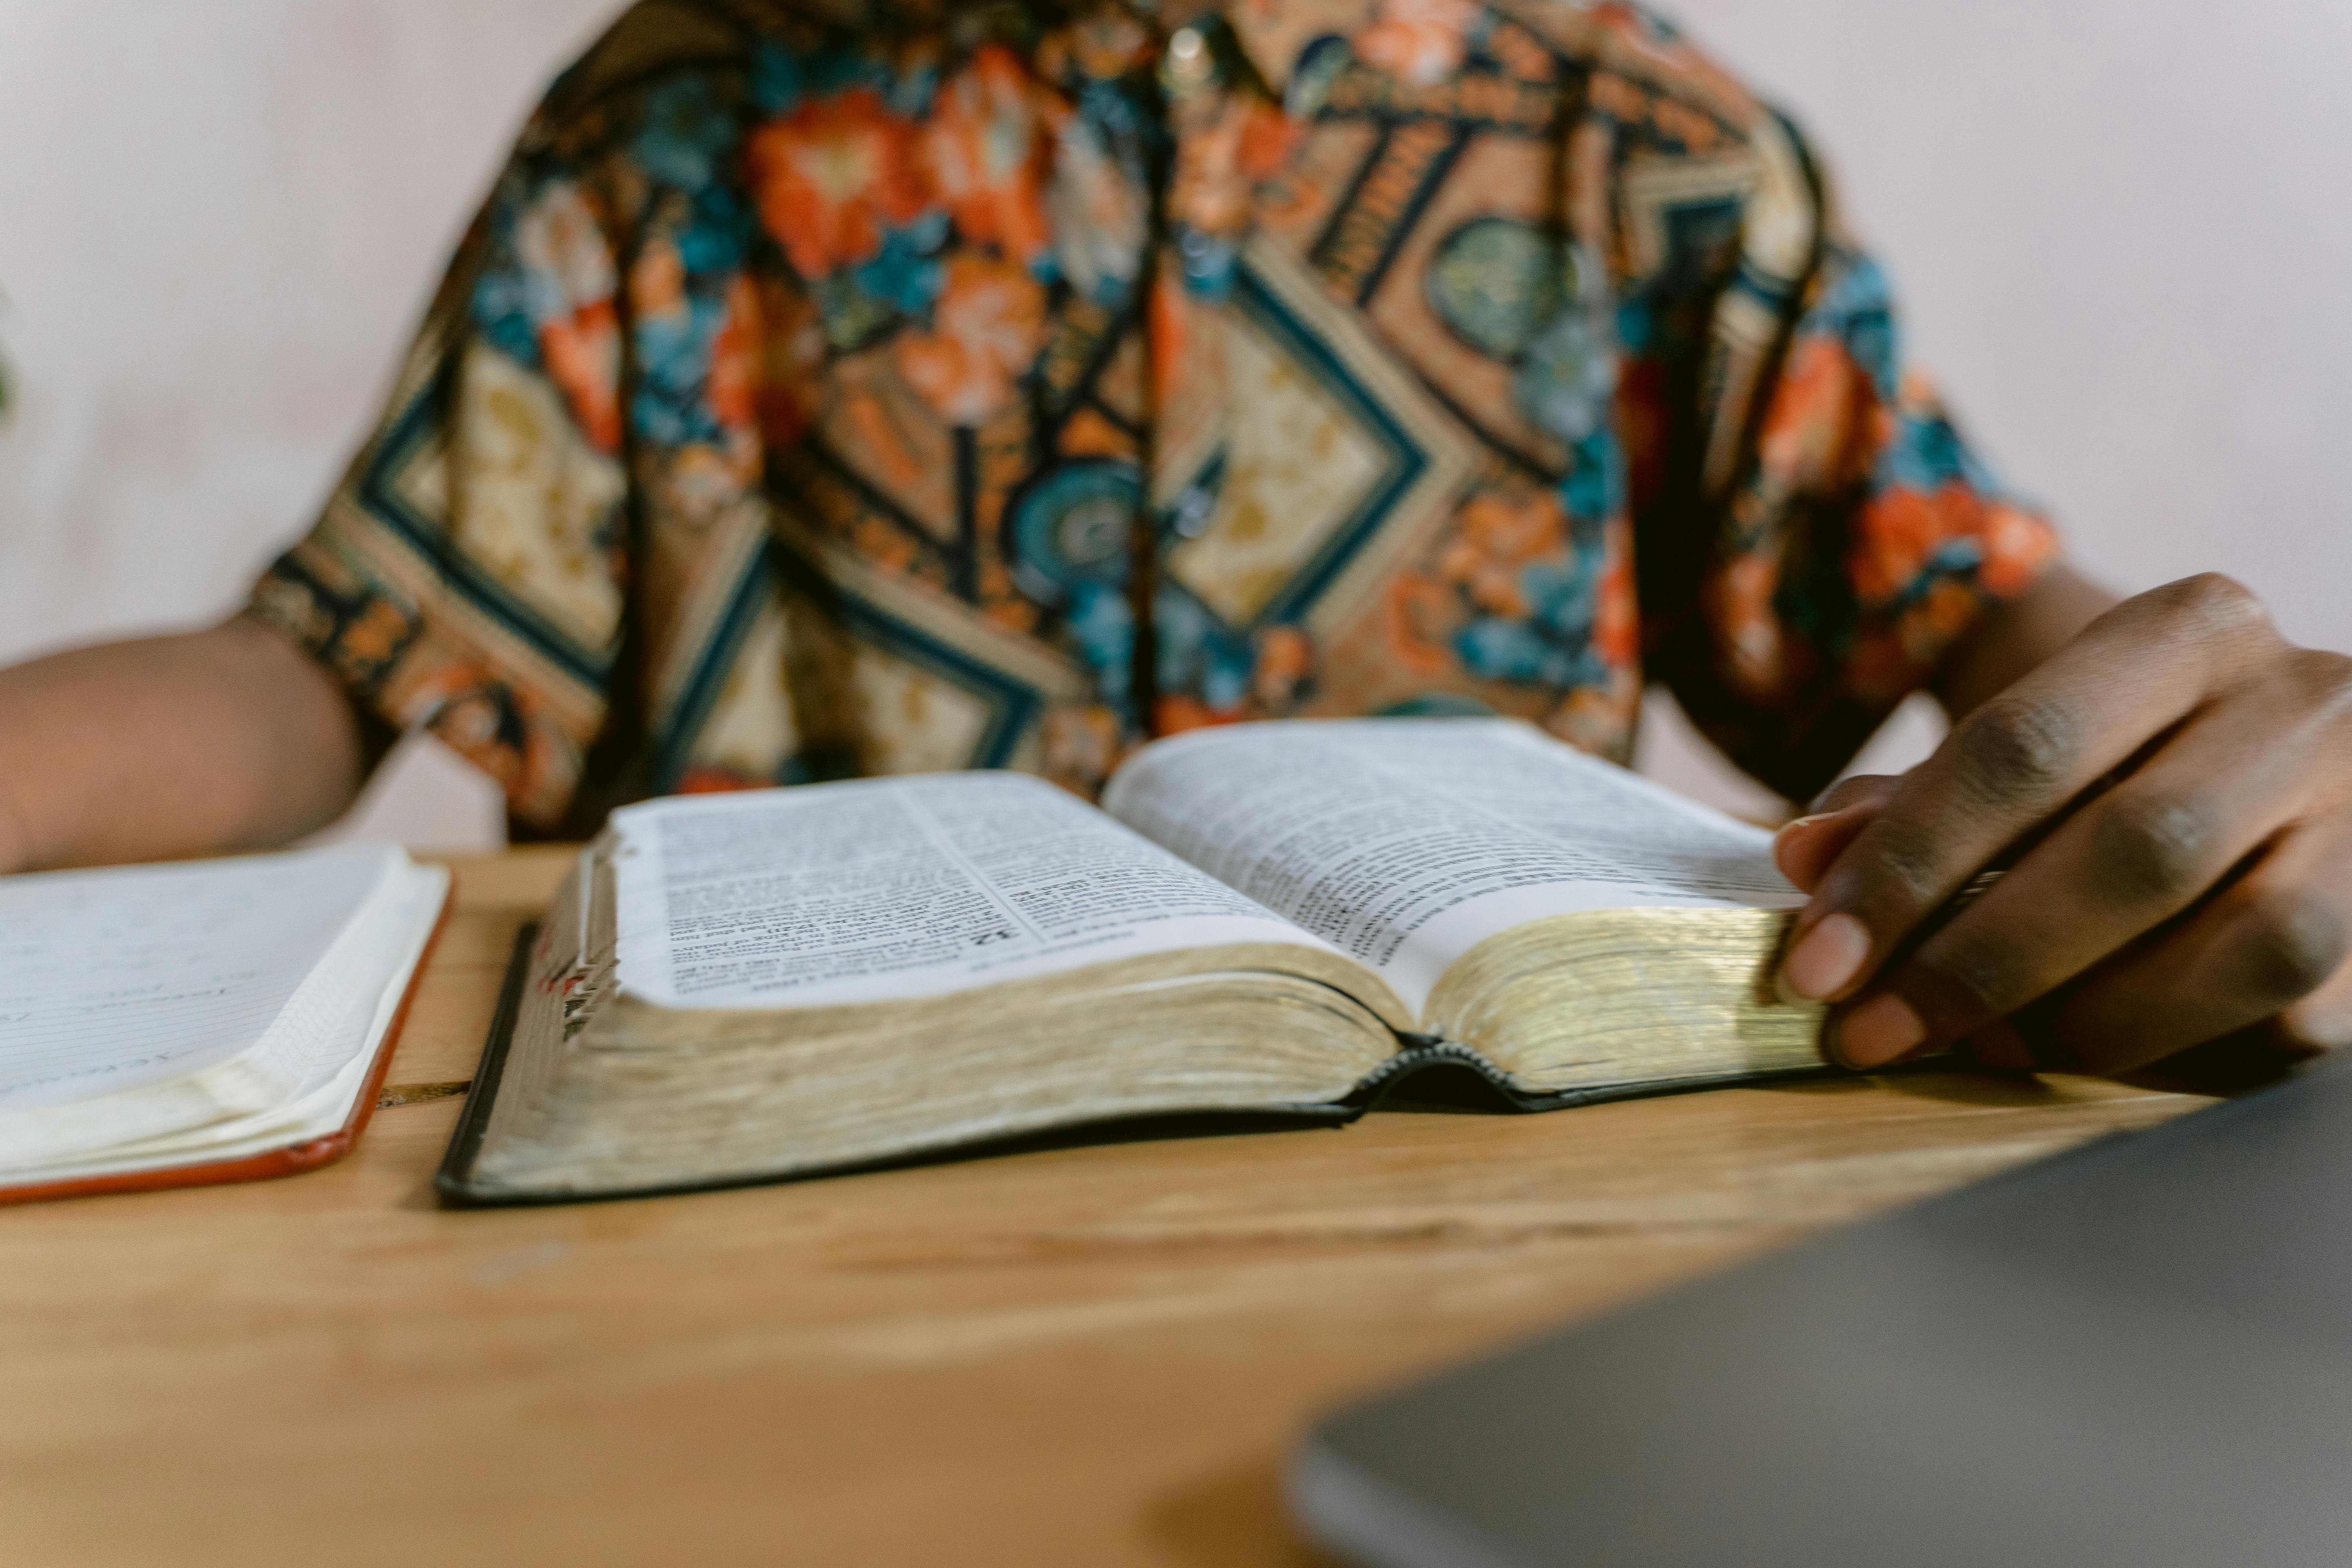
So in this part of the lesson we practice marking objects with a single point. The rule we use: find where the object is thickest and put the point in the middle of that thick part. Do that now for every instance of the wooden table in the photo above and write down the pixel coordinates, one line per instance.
(1090, 1355)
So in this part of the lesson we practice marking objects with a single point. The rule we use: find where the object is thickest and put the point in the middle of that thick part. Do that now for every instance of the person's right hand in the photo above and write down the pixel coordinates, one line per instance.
(2175, 788)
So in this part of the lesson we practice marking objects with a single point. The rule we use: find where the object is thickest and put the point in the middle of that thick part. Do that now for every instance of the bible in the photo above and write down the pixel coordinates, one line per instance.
(169, 1025)
(1287, 918)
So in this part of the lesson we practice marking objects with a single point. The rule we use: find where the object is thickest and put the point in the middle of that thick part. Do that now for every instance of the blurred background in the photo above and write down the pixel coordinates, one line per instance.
(2118, 226)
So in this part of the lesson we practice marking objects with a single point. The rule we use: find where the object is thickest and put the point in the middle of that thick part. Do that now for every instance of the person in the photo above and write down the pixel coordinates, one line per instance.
(832, 392)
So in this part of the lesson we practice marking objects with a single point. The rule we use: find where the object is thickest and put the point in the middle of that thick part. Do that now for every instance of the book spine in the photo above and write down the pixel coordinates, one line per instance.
(453, 1181)
(1423, 1051)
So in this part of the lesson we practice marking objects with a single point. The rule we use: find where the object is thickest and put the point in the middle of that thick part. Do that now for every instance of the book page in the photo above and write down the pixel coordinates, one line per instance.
(886, 889)
(116, 979)
(1406, 842)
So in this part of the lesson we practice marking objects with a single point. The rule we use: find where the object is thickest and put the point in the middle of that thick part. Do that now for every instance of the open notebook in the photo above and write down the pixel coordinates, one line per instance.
(165, 1025)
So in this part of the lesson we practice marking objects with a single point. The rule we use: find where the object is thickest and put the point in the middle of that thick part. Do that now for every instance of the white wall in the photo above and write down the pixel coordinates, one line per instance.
(2119, 224)
(219, 220)
(2121, 232)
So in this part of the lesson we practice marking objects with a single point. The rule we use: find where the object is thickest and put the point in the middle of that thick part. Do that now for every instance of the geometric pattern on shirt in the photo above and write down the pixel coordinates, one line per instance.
(903, 679)
(1335, 463)
(525, 582)
(439, 601)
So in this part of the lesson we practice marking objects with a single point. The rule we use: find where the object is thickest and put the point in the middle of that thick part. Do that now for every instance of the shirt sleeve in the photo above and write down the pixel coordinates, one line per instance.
(1847, 536)
(466, 576)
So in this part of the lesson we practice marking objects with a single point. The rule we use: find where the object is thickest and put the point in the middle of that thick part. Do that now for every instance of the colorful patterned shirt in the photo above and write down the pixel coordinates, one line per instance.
(997, 385)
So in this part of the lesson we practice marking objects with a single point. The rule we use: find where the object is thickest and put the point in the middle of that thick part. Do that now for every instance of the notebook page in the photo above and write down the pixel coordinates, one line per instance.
(1406, 842)
(896, 888)
(366, 973)
(114, 980)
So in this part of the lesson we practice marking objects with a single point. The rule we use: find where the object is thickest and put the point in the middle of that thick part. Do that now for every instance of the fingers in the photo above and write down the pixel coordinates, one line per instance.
(2013, 766)
(2320, 1021)
(1805, 848)
(2272, 945)
(2000, 1048)
(2230, 1064)
(1855, 790)
(2120, 866)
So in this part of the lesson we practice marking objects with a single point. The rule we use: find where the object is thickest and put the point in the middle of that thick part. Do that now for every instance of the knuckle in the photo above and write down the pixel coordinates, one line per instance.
(2213, 604)
(2016, 747)
(2151, 846)
(2293, 941)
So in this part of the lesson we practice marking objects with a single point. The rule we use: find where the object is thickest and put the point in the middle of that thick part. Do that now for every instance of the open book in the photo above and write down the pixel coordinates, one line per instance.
(1285, 917)
(163, 1026)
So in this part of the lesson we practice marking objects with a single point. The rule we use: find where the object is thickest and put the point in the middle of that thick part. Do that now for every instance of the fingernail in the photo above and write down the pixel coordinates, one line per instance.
(1878, 1032)
(1828, 958)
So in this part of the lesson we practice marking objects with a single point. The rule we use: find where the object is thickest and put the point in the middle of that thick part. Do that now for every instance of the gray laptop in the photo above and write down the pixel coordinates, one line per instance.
(2136, 1353)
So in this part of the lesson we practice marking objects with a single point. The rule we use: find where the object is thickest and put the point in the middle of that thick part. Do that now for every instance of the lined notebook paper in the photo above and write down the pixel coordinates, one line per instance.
(156, 1016)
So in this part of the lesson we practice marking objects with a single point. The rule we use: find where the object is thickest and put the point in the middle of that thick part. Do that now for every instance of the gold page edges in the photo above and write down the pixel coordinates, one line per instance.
(1623, 996)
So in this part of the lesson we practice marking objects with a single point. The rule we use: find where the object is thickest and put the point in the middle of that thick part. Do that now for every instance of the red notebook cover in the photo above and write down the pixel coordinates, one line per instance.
(290, 1161)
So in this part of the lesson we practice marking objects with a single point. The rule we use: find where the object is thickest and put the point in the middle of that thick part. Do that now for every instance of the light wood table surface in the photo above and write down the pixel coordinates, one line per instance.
(1091, 1356)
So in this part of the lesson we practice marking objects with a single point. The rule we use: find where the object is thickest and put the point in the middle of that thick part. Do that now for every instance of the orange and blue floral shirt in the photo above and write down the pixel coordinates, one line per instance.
(834, 391)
